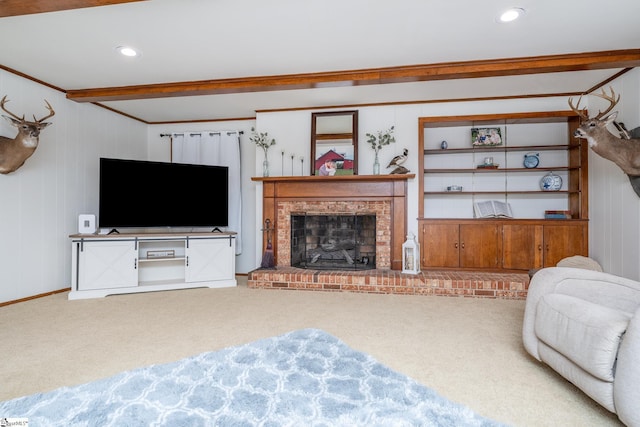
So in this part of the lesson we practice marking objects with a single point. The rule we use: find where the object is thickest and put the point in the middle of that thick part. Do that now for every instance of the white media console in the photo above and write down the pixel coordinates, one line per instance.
(104, 265)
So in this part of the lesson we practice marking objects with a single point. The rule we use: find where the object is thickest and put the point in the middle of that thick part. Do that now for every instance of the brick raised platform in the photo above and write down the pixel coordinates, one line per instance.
(446, 283)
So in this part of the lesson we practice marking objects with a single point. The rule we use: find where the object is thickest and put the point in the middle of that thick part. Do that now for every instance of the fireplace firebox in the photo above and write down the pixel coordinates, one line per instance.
(333, 242)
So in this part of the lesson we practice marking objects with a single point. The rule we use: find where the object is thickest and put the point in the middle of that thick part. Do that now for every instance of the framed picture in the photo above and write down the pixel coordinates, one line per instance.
(485, 136)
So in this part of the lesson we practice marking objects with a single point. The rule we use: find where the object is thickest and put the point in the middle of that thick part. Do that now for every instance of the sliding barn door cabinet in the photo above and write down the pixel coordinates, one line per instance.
(104, 265)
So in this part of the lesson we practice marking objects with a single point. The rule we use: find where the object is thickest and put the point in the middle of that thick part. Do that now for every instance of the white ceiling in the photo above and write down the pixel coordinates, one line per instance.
(191, 40)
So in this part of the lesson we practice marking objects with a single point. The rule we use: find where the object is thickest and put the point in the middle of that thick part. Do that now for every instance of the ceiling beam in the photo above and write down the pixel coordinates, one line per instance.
(22, 7)
(629, 58)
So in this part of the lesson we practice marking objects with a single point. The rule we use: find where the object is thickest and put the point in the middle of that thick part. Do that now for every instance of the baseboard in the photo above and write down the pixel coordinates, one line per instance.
(46, 294)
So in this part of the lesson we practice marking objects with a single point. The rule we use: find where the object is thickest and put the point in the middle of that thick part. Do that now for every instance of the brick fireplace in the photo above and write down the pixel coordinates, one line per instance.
(333, 241)
(384, 196)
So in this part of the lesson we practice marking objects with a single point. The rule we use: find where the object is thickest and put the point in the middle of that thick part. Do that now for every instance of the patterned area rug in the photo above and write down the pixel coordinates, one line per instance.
(303, 378)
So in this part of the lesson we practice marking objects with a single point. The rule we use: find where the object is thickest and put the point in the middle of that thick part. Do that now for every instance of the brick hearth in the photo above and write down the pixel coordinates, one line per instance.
(445, 283)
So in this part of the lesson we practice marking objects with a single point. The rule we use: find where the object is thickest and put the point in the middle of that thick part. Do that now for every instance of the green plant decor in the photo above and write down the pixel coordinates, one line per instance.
(261, 139)
(377, 142)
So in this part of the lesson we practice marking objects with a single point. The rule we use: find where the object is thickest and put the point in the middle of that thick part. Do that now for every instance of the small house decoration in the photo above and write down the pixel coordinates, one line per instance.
(411, 255)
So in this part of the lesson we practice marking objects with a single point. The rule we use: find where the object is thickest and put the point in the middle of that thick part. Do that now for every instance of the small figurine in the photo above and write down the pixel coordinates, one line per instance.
(398, 160)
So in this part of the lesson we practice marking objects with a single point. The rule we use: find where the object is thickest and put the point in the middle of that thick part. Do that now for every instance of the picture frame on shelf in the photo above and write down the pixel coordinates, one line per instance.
(484, 137)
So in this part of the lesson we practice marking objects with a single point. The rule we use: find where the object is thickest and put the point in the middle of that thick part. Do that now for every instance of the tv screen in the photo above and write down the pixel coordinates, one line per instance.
(135, 193)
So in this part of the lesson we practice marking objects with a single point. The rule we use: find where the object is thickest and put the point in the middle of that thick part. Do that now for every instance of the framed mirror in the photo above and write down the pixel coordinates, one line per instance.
(334, 143)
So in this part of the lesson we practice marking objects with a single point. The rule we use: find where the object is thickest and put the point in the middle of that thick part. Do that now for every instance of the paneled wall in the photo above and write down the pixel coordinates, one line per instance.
(40, 202)
(614, 207)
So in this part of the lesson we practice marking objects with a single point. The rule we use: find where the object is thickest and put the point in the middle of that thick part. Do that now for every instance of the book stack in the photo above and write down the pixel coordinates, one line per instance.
(557, 214)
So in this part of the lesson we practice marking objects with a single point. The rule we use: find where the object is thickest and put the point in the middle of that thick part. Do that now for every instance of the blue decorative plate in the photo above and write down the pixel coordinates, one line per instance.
(531, 160)
(551, 182)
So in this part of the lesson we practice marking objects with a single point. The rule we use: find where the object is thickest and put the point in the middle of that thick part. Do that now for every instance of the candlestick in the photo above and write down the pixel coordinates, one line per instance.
(282, 163)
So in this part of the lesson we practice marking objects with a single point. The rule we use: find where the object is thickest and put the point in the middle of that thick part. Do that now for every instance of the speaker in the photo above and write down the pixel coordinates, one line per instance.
(86, 224)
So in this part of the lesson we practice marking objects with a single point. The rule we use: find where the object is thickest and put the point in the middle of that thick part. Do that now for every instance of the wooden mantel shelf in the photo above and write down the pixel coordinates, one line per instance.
(348, 178)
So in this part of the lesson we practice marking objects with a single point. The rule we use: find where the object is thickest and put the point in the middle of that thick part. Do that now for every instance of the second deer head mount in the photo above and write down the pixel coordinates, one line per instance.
(624, 152)
(14, 152)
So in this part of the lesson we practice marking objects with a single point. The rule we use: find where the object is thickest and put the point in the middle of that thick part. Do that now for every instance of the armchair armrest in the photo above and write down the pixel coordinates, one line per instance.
(600, 288)
(626, 393)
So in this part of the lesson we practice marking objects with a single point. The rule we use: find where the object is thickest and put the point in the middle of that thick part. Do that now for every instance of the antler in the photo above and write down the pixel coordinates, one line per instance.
(5, 100)
(51, 113)
(575, 109)
(612, 102)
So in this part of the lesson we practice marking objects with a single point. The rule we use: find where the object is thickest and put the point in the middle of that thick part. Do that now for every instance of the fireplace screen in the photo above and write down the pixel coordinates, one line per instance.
(333, 242)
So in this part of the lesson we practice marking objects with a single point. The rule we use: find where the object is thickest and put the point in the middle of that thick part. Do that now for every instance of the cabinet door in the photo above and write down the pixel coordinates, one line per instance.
(107, 264)
(210, 259)
(561, 241)
(440, 245)
(521, 246)
(480, 245)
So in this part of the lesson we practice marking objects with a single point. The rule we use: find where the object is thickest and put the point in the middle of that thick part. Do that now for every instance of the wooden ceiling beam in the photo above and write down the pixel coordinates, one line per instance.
(629, 58)
(22, 7)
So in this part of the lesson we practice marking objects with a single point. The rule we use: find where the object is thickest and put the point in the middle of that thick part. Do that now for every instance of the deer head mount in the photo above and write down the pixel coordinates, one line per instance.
(624, 152)
(14, 152)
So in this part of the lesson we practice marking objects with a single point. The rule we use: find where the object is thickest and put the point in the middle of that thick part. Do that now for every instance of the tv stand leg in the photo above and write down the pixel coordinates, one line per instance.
(216, 230)
(113, 231)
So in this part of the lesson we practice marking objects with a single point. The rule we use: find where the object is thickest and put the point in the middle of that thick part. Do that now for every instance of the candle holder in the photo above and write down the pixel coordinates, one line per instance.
(411, 255)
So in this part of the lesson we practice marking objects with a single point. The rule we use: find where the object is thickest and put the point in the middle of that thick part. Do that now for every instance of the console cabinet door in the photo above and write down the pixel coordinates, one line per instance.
(210, 259)
(480, 245)
(107, 264)
(522, 246)
(440, 245)
(561, 241)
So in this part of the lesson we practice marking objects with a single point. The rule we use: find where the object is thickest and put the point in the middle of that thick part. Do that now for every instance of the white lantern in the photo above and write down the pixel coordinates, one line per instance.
(411, 255)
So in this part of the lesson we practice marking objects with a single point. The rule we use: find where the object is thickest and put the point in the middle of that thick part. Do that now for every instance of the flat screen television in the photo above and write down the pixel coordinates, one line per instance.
(141, 194)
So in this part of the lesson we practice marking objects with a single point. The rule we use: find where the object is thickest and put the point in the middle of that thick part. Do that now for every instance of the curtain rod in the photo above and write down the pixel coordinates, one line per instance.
(198, 133)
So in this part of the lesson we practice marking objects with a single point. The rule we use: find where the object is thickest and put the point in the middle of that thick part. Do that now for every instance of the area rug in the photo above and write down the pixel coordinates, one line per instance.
(303, 378)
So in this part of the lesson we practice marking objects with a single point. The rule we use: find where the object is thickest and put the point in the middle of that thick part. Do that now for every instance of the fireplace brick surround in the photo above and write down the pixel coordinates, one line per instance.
(386, 196)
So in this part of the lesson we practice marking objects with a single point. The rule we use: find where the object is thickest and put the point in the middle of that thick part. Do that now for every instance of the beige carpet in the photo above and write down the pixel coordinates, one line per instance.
(469, 350)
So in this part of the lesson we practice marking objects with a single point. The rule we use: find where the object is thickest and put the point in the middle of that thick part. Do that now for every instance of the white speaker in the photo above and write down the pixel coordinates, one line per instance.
(86, 224)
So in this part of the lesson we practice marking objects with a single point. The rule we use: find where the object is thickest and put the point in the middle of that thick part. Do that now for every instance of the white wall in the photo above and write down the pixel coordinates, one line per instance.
(41, 201)
(614, 207)
(292, 130)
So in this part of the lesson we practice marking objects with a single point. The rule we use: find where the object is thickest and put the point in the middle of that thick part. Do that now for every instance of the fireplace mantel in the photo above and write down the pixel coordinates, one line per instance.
(391, 189)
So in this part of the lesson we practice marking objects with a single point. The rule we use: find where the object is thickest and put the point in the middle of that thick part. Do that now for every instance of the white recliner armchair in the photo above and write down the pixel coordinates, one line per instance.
(586, 326)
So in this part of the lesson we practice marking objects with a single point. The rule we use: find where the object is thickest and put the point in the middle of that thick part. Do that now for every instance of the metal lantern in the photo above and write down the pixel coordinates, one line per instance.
(411, 255)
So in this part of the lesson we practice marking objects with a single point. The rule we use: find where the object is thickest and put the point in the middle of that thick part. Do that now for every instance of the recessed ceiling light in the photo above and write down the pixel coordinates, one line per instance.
(511, 14)
(128, 51)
